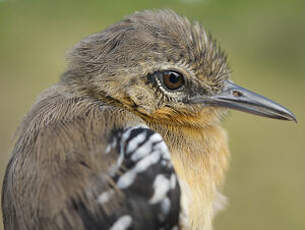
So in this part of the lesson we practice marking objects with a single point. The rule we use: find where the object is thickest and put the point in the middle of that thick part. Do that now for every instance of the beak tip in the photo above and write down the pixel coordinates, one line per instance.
(291, 117)
(294, 119)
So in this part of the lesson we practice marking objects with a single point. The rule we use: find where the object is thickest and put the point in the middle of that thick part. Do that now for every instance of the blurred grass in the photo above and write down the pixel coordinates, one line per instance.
(265, 43)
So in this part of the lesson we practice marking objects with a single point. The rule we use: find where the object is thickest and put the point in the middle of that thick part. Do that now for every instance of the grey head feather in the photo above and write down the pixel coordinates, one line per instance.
(145, 38)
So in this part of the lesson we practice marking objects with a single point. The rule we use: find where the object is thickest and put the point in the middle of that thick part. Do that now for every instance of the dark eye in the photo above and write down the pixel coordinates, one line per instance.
(172, 80)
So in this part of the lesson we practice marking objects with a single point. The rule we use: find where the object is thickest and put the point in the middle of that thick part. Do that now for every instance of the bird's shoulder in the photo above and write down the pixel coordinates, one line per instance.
(92, 165)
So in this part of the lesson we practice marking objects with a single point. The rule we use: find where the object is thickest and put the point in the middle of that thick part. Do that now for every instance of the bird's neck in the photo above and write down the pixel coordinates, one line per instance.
(200, 157)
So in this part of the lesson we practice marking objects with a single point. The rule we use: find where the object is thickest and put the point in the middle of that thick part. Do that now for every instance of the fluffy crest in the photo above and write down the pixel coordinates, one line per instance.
(148, 37)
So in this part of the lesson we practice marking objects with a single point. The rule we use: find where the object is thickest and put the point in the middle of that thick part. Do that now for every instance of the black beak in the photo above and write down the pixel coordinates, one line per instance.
(236, 97)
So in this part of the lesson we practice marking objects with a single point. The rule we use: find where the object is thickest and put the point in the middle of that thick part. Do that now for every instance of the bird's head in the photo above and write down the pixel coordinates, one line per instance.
(163, 68)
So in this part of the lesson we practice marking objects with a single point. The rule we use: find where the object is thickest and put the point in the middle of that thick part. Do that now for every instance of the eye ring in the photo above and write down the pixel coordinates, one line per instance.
(172, 80)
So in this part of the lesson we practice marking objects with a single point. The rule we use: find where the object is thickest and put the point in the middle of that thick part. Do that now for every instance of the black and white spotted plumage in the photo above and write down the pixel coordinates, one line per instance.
(144, 176)
(89, 171)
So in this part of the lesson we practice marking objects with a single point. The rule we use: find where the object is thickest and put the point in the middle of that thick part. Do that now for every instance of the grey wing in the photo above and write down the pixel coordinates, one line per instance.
(143, 192)
(71, 170)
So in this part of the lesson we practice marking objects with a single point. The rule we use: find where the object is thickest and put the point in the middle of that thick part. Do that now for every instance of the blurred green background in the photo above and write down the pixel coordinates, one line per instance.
(265, 40)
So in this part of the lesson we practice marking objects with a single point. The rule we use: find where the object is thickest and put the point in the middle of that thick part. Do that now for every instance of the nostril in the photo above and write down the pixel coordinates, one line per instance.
(237, 93)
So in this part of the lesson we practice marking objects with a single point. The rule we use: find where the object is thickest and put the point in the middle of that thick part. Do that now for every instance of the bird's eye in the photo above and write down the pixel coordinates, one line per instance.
(172, 80)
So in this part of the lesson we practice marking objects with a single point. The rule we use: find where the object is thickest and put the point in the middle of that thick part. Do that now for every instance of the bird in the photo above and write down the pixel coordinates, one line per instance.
(131, 136)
